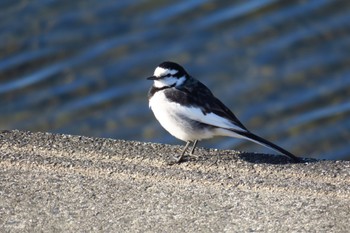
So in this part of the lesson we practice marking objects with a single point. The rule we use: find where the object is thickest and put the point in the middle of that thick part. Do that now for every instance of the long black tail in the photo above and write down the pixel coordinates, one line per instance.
(252, 137)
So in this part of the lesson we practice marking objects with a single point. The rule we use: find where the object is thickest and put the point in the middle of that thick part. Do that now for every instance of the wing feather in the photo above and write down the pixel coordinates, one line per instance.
(198, 103)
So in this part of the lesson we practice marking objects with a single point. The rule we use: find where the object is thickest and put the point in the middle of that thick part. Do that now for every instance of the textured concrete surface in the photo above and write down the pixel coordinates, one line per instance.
(63, 183)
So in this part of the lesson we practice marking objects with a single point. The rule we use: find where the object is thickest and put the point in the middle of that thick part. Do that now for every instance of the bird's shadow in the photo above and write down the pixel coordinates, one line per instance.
(255, 158)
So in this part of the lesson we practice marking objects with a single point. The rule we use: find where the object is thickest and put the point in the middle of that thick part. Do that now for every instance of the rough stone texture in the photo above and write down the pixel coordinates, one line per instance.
(64, 183)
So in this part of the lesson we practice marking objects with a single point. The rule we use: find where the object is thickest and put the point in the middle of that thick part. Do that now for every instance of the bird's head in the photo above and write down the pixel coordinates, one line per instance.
(169, 74)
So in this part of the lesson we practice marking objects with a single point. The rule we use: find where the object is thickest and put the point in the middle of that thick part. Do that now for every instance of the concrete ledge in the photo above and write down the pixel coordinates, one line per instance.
(51, 182)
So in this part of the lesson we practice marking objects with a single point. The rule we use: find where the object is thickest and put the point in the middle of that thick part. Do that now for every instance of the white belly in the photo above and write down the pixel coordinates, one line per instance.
(176, 122)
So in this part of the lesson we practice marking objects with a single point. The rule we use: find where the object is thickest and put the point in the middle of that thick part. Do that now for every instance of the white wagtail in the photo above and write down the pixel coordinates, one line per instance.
(188, 110)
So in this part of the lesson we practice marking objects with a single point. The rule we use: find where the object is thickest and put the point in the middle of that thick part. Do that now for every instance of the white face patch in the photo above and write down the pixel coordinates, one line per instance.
(168, 78)
(159, 71)
(169, 81)
(165, 82)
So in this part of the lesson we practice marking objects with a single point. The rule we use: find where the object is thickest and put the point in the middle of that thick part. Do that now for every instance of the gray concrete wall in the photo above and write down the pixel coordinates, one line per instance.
(63, 183)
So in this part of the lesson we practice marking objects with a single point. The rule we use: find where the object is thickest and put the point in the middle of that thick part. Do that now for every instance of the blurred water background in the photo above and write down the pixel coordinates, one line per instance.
(79, 67)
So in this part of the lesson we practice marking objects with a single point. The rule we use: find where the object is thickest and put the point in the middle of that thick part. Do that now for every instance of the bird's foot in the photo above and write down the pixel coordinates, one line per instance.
(194, 157)
(175, 160)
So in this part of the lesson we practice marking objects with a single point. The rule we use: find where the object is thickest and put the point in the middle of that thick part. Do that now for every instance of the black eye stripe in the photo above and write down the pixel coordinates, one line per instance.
(177, 74)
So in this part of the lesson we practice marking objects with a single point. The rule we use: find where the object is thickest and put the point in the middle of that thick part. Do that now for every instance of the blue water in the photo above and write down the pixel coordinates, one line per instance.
(79, 67)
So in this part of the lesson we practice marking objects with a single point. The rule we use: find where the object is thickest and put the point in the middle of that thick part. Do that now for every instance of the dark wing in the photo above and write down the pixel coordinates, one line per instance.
(195, 93)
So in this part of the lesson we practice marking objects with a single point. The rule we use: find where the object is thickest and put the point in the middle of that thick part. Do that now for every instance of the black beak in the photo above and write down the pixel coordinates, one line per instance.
(152, 78)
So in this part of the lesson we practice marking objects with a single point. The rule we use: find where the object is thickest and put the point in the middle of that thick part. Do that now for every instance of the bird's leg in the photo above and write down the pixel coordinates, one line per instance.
(177, 160)
(194, 146)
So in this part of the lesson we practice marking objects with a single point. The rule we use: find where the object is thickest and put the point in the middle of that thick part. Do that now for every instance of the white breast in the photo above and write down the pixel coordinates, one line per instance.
(173, 119)
(182, 122)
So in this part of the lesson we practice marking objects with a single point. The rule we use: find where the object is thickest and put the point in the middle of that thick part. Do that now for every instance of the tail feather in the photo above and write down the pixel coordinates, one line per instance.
(254, 138)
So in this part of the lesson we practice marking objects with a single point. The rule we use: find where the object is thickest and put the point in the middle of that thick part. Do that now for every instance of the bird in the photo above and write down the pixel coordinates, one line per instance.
(189, 111)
